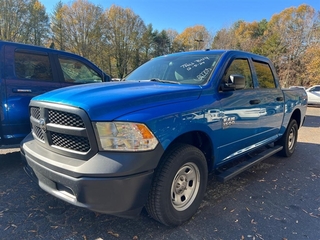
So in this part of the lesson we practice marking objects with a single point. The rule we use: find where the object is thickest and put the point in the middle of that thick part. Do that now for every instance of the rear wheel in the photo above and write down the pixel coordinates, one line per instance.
(289, 139)
(179, 185)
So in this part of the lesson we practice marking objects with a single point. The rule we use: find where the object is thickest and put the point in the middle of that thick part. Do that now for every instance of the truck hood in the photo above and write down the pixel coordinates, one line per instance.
(108, 101)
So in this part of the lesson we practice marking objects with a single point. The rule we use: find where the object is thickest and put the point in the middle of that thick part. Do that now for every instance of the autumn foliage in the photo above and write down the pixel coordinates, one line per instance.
(118, 40)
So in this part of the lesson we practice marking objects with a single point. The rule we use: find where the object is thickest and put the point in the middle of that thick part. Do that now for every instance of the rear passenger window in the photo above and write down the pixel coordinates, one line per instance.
(77, 72)
(32, 66)
(264, 75)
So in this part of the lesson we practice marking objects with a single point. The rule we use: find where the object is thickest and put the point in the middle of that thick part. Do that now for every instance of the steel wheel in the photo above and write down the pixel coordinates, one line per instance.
(178, 186)
(292, 138)
(185, 186)
(289, 139)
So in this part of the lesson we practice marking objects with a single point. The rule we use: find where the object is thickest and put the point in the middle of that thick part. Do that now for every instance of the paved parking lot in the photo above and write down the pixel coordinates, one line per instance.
(277, 199)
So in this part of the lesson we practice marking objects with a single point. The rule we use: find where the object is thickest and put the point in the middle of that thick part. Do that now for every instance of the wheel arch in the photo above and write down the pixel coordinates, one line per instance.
(296, 115)
(198, 139)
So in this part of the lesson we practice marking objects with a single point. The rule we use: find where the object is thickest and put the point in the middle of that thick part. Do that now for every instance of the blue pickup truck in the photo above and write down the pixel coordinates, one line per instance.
(151, 140)
(27, 71)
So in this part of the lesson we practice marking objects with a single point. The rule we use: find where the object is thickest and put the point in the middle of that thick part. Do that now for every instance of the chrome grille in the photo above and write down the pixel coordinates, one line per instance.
(64, 118)
(65, 129)
(75, 143)
(35, 112)
(38, 132)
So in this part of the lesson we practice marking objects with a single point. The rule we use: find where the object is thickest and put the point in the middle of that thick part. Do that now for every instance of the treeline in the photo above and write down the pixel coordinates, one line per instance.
(118, 40)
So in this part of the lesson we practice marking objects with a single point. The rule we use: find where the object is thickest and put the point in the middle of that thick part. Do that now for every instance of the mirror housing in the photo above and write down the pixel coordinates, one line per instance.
(236, 82)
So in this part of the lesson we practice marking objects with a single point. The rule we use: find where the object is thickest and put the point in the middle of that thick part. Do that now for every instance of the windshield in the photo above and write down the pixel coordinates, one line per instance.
(180, 68)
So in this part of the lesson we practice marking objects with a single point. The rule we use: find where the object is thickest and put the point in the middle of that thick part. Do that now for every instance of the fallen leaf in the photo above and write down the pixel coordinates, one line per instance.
(253, 222)
(113, 234)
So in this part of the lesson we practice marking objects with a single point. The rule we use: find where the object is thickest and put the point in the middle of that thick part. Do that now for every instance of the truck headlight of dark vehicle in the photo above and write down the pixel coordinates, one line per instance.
(124, 136)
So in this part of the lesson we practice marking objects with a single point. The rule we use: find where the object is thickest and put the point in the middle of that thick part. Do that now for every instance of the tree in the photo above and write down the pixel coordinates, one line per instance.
(147, 43)
(37, 27)
(224, 39)
(13, 15)
(242, 35)
(292, 29)
(82, 27)
(57, 27)
(192, 38)
(172, 34)
(161, 43)
(124, 31)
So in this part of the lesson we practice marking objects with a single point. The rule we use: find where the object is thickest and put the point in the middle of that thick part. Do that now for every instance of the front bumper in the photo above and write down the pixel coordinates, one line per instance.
(111, 183)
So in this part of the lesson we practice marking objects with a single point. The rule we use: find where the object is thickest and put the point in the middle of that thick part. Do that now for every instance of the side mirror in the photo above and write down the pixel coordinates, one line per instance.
(236, 82)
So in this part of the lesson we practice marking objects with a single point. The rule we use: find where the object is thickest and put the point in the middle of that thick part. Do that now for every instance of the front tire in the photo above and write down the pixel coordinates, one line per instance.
(178, 186)
(289, 139)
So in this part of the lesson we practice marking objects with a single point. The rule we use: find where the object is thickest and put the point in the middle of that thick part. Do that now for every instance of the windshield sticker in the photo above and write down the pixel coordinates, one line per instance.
(203, 75)
(194, 64)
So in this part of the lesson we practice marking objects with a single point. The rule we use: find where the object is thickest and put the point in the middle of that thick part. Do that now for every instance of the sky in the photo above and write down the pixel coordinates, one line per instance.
(213, 14)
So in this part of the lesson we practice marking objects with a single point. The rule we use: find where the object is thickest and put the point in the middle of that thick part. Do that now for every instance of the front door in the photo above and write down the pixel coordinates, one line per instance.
(28, 74)
(240, 113)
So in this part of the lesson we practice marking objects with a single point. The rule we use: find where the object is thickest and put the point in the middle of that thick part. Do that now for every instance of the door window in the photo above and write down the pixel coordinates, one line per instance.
(315, 89)
(264, 75)
(239, 67)
(32, 66)
(77, 72)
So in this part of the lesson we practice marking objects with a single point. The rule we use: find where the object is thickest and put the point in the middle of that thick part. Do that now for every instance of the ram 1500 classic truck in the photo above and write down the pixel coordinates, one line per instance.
(27, 71)
(152, 139)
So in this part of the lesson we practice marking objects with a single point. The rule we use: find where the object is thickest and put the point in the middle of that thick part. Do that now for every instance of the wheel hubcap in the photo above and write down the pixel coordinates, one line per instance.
(185, 186)
(292, 139)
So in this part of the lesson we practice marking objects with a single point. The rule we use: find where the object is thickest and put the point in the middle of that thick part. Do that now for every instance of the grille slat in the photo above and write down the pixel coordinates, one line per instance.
(35, 112)
(64, 118)
(75, 143)
(38, 132)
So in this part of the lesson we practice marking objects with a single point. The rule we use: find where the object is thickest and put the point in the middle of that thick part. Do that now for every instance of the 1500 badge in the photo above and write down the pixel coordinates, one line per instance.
(228, 121)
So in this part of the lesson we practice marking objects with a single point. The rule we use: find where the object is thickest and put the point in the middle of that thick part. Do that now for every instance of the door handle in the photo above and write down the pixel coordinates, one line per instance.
(279, 99)
(21, 90)
(255, 101)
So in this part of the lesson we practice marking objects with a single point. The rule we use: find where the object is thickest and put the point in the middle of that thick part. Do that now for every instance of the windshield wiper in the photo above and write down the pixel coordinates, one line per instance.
(163, 81)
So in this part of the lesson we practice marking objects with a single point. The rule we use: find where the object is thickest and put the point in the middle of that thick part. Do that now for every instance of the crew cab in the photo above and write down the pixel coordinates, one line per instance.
(151, 140)
(27, 71)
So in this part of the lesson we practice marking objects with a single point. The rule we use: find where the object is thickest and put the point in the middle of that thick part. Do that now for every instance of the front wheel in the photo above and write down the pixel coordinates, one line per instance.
(289, 139)
(179, 185)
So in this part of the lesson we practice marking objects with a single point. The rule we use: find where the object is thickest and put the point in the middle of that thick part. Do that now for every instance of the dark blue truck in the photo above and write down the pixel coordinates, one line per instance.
(27, 71)
(151, 140)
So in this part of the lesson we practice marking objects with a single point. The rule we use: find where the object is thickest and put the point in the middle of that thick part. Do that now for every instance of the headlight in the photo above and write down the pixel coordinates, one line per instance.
(124, 136)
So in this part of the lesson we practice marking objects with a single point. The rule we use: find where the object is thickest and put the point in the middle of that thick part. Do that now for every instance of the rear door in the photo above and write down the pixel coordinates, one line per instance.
(28, 73)
(270, 98)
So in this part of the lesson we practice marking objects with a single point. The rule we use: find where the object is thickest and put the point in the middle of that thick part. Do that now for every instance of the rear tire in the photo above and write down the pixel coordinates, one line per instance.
(178, 186)
(289, 139)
